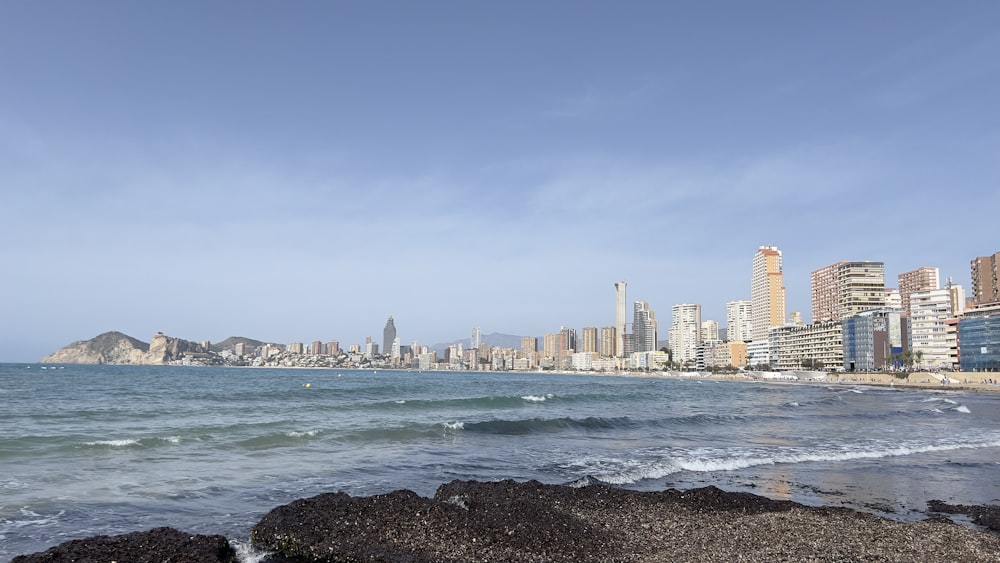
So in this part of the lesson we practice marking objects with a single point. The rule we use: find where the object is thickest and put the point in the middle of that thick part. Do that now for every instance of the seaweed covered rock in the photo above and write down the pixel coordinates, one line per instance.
(159, 545)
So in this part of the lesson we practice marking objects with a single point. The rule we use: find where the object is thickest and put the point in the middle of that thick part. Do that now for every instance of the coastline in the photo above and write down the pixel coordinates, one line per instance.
(532, 522)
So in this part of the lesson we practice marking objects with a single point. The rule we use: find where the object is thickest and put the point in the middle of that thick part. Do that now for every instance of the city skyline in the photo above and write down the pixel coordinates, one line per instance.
(312, 170)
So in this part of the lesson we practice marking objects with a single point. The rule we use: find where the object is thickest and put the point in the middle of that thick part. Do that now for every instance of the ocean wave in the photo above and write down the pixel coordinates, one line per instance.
(453, 425)
(114, 443)
(962, 409)
(536, 398)
(624, 472)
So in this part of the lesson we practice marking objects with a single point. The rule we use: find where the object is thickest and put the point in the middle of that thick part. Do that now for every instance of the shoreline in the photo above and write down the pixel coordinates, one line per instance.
(533, 522)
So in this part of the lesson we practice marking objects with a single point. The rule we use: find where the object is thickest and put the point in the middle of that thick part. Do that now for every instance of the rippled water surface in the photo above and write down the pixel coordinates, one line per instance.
(88, 450)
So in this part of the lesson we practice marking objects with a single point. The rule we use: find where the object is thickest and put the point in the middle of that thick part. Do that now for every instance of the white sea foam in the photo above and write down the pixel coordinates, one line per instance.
(454, 425)
(949, 401)
(632, 471)
(247, 553)
(962, 408)
(114, 443)
(535, 398)
(173, 439)
(309, 433)
(400, 402)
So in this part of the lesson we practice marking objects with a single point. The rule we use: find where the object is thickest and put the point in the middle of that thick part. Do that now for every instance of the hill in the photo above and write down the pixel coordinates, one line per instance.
(117, 348)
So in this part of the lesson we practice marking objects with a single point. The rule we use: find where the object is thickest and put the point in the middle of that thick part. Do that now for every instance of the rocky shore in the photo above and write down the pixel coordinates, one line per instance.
(532, 522)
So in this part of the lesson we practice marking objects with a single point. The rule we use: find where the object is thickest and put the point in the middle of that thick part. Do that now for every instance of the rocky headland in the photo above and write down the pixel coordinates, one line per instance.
(532, 522)
(117, 348)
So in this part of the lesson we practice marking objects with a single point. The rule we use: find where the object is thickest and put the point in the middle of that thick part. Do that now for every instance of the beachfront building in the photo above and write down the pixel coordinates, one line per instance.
(739, 321)
(986, 279)
(650, 359)
(925, 278)
(767, 292)
(815, 346)
(929, 334)
(979, 339)
(758, 353)
(685, 332)
(720, 355)
(846, 288)
(873, 340)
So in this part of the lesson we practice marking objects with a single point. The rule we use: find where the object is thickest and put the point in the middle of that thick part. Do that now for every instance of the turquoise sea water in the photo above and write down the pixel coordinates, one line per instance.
(88, 450)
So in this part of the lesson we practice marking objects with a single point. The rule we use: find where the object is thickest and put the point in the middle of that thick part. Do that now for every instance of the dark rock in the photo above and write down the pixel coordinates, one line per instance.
(715, 499)
(986, 515)
(159, 545)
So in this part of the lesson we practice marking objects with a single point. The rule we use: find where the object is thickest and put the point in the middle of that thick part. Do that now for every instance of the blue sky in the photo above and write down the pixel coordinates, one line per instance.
(293, 171)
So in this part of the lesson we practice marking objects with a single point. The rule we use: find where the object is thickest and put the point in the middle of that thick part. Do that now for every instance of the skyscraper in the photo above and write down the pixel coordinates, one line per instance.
(767, 292)
(476, 338)
(388, 335)
(986, 279)
(620, 318)
(921, 279)
(825, 296)
(643, 328)
(738, 321)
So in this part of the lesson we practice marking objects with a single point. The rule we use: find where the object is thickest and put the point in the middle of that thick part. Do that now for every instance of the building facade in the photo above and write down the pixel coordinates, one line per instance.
(846, 288)
(643, 327)
(929, 335)
(620, 317)
(685, 332)
(824, 293)
(608, 342)
(979, 339)
(873, 340)
(986, 279)
(591, 344)
(815, 346)
(925, 278)
(739, 321)
(767, 292)
(388, 335)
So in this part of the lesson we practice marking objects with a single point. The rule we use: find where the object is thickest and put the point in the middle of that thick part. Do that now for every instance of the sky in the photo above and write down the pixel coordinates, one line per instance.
(299, 171)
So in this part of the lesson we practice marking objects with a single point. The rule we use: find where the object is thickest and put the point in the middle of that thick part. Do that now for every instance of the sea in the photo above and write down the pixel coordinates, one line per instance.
(92, 450)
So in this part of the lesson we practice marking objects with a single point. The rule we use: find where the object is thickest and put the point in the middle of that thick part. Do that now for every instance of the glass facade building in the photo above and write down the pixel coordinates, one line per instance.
(979, 343)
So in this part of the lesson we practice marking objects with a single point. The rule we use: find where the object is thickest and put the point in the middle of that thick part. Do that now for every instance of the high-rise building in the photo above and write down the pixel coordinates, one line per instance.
(529, 345)
(767, 292)
(929, 335)
(685, 332)
(388, 335)
(643, 328)
(921, 279)
(709, 331)
(844, 288)
(620, 317)
(608, 342)
(738, 321)
(986, 279)
(333, 348)
(825, 293)
(590, 342)
(316, 348)
(569, 338)
(476, 338)
(862, 287)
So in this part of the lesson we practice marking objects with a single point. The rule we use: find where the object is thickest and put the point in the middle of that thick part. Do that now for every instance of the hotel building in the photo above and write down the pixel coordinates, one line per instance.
(921, 279)
(767, 292)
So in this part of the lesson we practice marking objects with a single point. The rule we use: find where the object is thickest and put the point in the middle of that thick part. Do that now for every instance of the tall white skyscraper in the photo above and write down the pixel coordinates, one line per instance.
(738, 321)
(767, 292)
(685, 332)
(620, 318)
